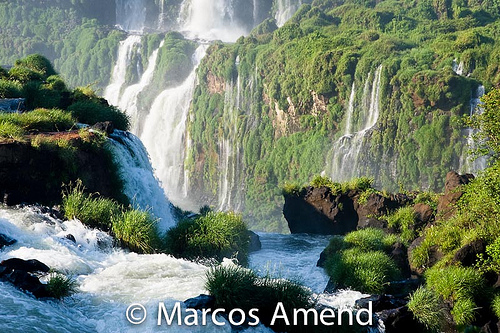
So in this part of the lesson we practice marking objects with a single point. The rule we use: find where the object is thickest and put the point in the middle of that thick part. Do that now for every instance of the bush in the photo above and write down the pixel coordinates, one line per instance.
(237, 287)
(60, 286)
(10, 89)
(40, 120)
(90, 112)
(404, 221)
(136, 230)
(365, 271)
(495, 305)
(214, 235)
(428, 308)
(369, 239)
(9, 130)
(90, 209)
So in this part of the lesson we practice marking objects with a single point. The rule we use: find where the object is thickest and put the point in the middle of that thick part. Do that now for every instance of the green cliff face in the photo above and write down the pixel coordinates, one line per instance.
(273, 107)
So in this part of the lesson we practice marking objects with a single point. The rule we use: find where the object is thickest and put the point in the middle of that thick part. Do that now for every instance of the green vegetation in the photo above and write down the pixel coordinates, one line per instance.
(237, 287)
(428, 308)
(212, 235)
(403, 220)
(60, 286)
(360, 260)
(136, 230)
(464, 289)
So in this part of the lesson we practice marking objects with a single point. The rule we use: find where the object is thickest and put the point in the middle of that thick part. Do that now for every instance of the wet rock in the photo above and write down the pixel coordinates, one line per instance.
(467, 254)
(318, 211)
(27, 282)
(31, 265)
(400, 320)
(380, 302)
(71, 238)
(255, 244)
(6, 241)
(452, 193)
(399, 254)
(200, 302)
(331, 286)
(106, 127)
(492, 326)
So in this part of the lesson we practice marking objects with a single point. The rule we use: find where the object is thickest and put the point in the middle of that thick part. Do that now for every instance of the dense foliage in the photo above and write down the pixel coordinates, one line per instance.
(285, 93)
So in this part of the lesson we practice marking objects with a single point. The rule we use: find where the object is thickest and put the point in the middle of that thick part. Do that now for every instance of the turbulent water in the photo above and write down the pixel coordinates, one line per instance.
(110, 279)
(346, 150)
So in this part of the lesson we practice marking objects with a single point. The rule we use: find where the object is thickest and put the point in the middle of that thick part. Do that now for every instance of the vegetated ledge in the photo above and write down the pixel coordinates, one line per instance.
(33, 170)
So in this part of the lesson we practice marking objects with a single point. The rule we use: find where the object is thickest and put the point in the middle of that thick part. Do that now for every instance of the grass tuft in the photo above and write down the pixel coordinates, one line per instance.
(136, 230)
(60, 286)
(428, 308)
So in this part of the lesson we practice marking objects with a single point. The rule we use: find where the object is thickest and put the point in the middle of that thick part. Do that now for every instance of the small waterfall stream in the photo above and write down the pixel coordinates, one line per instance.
(285, 10)
(346, 150)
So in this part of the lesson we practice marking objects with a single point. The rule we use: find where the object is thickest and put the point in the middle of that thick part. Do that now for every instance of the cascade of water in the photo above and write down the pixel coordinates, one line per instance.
(131, 15)
(140, 184)
(346, 149)
(285, 10)
(125, 51)
(164, 132)
(468, 163)
(458, 68)
(130, 97)
(209, 20)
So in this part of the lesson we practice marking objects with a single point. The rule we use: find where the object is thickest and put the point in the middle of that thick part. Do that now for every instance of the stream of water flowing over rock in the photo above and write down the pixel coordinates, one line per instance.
(347, 149)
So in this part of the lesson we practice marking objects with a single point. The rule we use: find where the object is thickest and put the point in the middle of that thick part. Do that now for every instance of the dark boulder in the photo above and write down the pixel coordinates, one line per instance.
(27, 282)
(6, 241)
(452, 193)
(31, 265)
(377, 205)
(468, 254)
(316, 210)
(255, 244)
(71, 238)
(105, 127)
(200, 302)
(399, 254)
(380, 302)
(423, 214)
(400, 320)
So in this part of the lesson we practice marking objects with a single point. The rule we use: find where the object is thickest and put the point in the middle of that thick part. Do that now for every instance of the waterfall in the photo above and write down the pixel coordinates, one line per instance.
(468, 163)
(125, 51)
(229, 190)
(209, 20)
(140, 184)
(346, 150)
(164, 132)
(131, 15)
(458, 68)
(285, 10)
(129, 99)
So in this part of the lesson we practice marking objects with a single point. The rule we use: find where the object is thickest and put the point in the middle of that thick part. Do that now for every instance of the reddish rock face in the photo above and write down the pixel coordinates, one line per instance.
(452, 193)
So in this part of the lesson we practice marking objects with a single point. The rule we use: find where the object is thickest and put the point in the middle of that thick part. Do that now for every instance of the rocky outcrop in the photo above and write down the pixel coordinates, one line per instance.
(35, 174)
(452, 193)
(6, 241)
(23, 274)
(317, 210)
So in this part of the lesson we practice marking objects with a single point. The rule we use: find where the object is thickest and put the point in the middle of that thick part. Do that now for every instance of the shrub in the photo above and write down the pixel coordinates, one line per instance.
(91, 210)
(10, 89)
(136, 230)
(404, 220)
(495, 305)
(60, 286)
(366, 271)
(428, 308)
(214, 235)
(91, 112)
(11, 131)
(237, 287)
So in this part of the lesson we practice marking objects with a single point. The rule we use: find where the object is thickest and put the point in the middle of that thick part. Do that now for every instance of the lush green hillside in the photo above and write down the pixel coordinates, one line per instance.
(280, 97)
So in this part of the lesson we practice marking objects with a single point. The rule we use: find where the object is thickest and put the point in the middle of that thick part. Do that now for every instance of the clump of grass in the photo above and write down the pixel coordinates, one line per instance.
(370, 239)
(12, 131)
(213, 235)
(359, 184)
(237, 287)
(366, 271)
(93, 111)
(459, 286)
(90, 209)
(495, 305)
(60, 286)
(429, 198)
(291, 189)
(40, 120)
(428, 308)
(404, 220)
(136, 230)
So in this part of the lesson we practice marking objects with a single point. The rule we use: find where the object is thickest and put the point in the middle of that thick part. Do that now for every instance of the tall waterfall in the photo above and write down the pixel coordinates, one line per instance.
(346, 150)
(140, 184)
(468, 163)
(164, 133)
(285, 10)
(125, 52)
